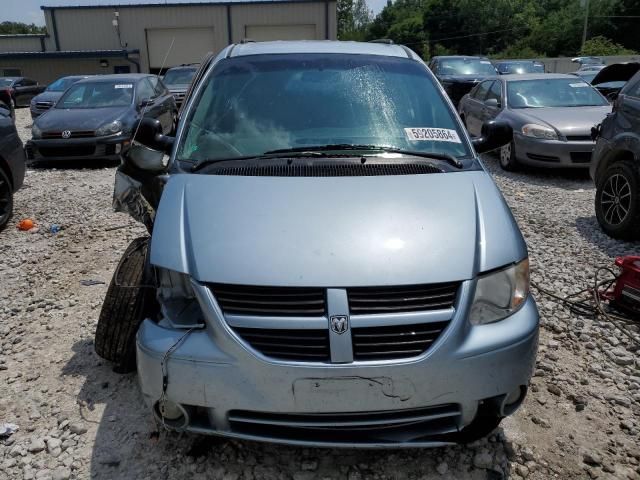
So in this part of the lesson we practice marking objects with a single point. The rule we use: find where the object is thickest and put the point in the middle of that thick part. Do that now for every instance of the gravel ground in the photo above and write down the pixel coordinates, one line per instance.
(78, 419)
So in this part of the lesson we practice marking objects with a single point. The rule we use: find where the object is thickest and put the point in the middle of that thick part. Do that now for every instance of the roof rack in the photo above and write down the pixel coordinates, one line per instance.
(247, 40)
(386, 41)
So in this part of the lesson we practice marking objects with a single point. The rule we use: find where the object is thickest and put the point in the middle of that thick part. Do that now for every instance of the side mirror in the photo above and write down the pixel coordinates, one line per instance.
(492, 103)
(148, 132)
(495, 134)
(612, 96)
(146, 159)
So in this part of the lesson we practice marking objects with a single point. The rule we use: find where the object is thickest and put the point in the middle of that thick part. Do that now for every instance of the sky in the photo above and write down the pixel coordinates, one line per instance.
(28, 11)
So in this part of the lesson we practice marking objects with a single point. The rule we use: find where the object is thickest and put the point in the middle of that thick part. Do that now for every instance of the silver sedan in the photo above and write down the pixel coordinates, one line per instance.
(551, 116)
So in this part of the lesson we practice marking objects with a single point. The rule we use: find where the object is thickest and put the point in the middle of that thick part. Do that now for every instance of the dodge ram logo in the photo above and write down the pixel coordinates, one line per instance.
(339, 324)
(66, 134)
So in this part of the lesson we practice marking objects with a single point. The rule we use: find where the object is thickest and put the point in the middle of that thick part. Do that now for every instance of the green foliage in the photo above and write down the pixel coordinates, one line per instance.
(600, 46)
(7, 28)
(353, 19)
(504, 28)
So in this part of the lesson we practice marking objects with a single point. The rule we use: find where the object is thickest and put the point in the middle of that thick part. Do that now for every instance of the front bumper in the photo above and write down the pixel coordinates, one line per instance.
(103, 148)
(553, 153)
(227, 389)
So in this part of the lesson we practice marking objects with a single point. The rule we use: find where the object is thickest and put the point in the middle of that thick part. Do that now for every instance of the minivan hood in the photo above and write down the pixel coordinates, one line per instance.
(338, 231)
(57, 119)
(568, 120)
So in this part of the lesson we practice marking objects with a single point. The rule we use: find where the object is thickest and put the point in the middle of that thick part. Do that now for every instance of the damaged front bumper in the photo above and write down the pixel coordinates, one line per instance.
(219, 385)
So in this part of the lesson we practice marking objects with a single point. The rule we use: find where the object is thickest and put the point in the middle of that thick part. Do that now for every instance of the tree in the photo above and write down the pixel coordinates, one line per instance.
(12, 28)
(600, 46)
(353, 19)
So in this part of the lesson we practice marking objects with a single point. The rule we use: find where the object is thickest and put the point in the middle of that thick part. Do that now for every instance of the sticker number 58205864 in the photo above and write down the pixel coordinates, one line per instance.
(432, 134)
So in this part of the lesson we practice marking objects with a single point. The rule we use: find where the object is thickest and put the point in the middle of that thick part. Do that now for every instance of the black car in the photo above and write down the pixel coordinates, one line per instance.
(615, 167)
(43, 102)
(459, 74)
(610, 80)
(21, 89)
(510, 67)
(178, 79)
(12, 166)
(7, 103)
(95, 117)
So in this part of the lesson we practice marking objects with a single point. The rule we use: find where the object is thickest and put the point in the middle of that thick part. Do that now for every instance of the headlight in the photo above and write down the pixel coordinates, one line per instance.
(539, 131)
(109, 129)
(35, 131)
(178, 304)
(501, 293)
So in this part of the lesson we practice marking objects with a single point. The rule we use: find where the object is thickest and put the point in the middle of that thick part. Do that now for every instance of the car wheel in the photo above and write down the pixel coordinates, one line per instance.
(618, 201)
(125, 306)
(508, 160)
(6, 200)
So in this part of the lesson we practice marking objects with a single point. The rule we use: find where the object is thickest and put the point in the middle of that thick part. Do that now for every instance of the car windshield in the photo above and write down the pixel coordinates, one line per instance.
(6, 82)
(465, 66)
(62, 84)
(517, 67)
(179, 76)
(256, 104)
(98, 95)
(553, 92)
(587, 76)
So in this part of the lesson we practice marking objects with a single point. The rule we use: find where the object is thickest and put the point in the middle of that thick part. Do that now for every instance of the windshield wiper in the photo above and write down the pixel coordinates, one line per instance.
(316, 151)
(371, 148)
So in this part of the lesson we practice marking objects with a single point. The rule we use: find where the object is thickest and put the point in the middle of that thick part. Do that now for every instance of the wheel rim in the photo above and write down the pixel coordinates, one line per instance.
(5, 200)
(505, 154)
(616, 199)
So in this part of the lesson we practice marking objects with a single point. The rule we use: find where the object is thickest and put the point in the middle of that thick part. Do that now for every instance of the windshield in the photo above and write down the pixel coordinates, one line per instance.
(587, 76)
(97, 95)
(517, 67)
(6, 82)
(181, 76)
(555, 92)
(62, 84)
(466, 66)
(255, 104)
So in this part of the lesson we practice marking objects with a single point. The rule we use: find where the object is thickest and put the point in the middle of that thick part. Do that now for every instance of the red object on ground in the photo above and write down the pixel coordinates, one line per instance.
(626, 292)
(26, 224)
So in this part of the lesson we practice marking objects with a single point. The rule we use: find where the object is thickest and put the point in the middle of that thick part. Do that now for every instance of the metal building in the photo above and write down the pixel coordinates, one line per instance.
(144, 37)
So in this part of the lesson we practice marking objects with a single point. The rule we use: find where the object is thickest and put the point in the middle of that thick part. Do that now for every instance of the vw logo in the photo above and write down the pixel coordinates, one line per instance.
(339, 324)
(66, 134)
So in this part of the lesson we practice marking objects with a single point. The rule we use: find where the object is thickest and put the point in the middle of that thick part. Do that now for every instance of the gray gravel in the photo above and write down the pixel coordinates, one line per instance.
(79, 420)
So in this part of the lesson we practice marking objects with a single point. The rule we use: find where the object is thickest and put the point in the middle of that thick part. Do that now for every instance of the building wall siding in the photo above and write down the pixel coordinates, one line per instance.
(45, 70)
(20, 44)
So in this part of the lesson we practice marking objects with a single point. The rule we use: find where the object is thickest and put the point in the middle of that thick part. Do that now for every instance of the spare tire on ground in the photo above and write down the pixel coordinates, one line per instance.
(130, 297)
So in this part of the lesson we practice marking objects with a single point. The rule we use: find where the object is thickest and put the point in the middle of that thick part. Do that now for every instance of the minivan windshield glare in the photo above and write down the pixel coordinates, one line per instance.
(553, 92)
(97, 95)
(466, 66)
(62, 84)
(251, 105)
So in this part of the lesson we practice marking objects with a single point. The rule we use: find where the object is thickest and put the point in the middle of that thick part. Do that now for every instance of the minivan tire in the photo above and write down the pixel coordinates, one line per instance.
(620, 181)
(126, 304)
(507, 157)
(6, 200)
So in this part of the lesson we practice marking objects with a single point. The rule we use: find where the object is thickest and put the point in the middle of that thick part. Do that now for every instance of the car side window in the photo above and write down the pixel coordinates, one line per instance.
(157, 90)
(145, 90)
(482, 90)
(495, 92)
(19, 83)
(634, 91)
(161, 88)
(29, 83)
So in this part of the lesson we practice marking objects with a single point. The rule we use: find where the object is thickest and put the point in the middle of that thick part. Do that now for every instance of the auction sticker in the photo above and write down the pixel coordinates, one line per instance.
(124, 85)
(579, 85)
(432, 135)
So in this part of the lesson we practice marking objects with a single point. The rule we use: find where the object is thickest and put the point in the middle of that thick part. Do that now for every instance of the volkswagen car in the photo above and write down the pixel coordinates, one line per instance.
(551, 116)
(329, 265)
(95, 117)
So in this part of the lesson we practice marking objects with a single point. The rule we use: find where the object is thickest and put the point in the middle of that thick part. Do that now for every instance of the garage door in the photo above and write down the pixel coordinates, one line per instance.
(262, 33)
(190, 45)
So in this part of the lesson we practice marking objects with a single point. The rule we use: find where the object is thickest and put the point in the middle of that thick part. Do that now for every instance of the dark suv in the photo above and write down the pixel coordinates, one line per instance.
(615, 167)
(459, 74)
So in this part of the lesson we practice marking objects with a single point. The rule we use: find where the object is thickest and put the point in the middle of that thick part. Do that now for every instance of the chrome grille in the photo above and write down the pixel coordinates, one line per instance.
(395, 341)
(270, 301)
(287, 344)
(397, 426)
(411, 298)
(74, 134)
